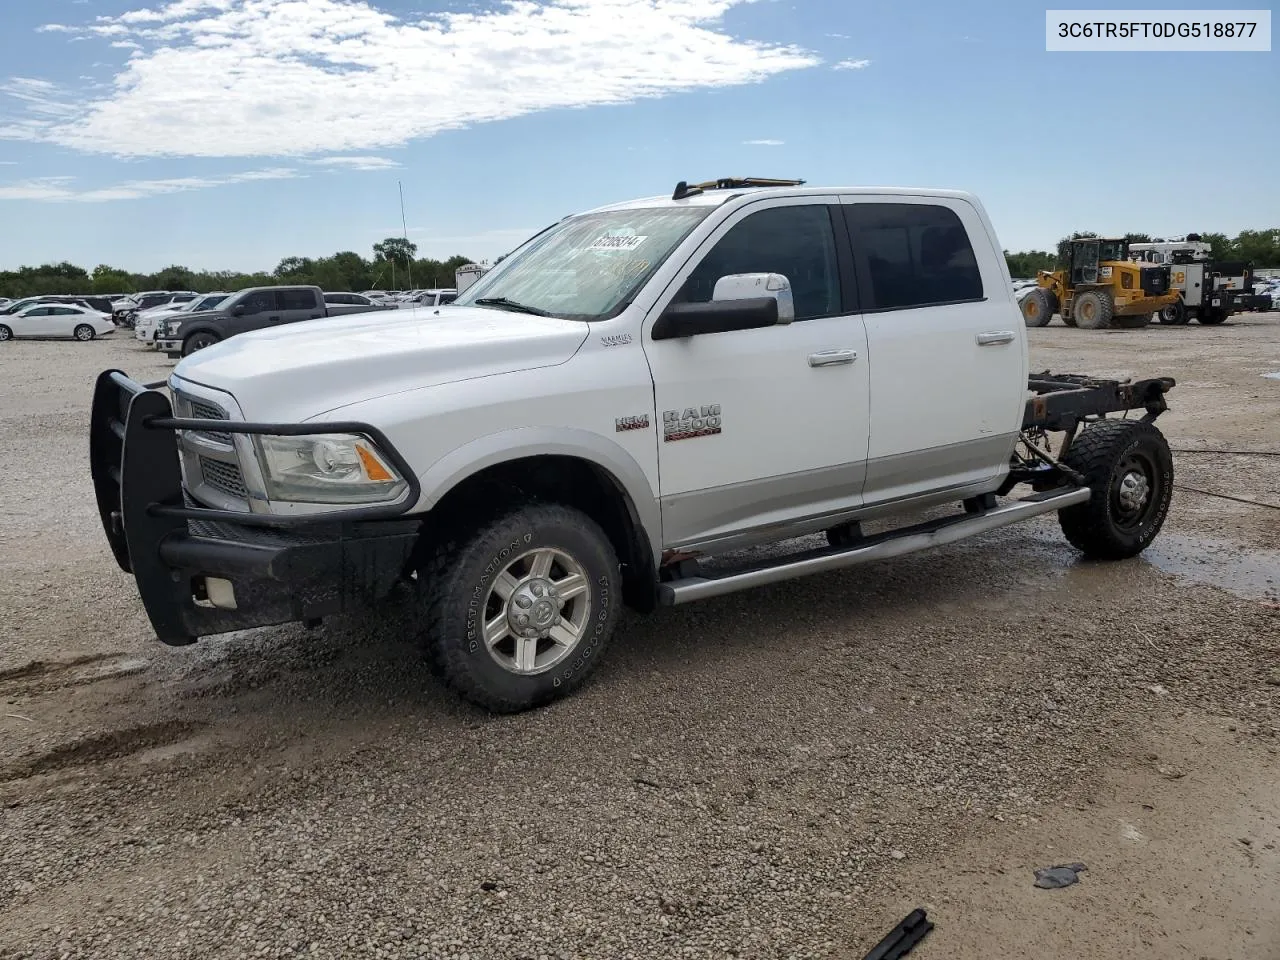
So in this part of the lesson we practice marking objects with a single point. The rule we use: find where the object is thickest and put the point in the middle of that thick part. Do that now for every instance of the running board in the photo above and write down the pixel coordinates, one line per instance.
(895, 543)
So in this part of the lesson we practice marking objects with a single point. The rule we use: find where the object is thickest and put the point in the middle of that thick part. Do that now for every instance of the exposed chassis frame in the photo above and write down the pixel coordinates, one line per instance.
(1065, 401)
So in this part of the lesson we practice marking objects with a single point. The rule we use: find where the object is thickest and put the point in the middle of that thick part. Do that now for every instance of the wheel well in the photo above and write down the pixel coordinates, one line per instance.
(566, 480)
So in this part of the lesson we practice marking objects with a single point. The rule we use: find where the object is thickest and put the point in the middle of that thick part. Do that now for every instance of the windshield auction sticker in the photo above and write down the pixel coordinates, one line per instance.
(616, 243)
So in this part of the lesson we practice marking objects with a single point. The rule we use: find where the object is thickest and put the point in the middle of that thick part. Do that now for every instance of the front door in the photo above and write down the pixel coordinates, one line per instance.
(946, 346)
(759, 429)
(261, 309)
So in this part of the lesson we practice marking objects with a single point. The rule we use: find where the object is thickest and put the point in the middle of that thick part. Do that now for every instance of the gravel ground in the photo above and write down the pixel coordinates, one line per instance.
(782, 773)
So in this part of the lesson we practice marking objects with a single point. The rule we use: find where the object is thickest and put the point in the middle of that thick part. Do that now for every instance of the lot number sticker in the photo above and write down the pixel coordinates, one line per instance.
(616, 243)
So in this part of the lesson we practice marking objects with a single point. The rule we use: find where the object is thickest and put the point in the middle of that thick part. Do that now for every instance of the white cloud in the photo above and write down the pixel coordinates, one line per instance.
(61, 189)
(303, 77)
(852, 65)
(357, 163)
(837, 36)
(764, 143)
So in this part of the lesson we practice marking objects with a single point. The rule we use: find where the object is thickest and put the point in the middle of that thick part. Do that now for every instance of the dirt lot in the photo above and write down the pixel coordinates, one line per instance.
(784, 773)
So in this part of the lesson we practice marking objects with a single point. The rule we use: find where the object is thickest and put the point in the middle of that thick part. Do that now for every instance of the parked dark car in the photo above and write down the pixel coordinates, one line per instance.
(251, 309)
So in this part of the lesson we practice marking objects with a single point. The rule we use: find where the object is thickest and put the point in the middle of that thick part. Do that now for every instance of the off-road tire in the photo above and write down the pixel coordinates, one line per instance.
(1212, 317)
(1174, 315)
(5, 333)
(1093, 309)
(454, 581)
(83, 332)
(1105, 453)
(198, 341)
(1037, 308)
(1132, 321)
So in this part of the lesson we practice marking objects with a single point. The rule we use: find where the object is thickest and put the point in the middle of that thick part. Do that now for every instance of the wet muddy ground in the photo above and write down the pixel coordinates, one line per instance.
(782, 773)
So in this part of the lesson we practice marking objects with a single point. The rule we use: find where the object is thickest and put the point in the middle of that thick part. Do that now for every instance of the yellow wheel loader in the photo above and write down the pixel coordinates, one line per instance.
(1100, 287)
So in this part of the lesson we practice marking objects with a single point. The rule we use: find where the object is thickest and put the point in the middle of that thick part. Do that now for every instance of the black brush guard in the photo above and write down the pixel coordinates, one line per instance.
(282, 568)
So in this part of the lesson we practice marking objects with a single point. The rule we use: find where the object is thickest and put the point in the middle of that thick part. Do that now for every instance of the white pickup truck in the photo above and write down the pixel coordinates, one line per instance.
(609, 415)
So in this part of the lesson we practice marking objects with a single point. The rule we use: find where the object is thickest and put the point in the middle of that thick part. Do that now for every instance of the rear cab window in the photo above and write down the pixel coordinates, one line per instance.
(912, 255)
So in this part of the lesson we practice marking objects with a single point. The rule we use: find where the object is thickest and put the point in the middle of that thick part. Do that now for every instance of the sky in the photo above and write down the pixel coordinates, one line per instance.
(228, 134)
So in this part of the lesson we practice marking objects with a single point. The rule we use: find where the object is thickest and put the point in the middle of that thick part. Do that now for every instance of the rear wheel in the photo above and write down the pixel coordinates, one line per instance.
(1212, 317)
(197, 341)
(1132, 321)
(1037, 307)
(83, 333)
(519, 611)
(1175, 314)
(1128, 466)
(5, 333)
(1093, 310)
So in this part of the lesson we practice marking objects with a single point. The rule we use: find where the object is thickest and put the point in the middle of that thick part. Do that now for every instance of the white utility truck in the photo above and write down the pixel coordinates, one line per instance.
(609, 416)
(1208, 290)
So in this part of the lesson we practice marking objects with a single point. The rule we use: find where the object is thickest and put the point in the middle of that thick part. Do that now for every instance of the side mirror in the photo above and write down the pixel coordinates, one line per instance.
(743, 301)
(238, 310)
(749, 286)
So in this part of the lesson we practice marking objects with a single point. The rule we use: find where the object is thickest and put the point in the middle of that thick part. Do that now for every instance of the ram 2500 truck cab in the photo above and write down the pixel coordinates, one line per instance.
(608, 416)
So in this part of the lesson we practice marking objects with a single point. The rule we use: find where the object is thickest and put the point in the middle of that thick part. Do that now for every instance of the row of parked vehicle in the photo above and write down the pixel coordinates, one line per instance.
(180, 321)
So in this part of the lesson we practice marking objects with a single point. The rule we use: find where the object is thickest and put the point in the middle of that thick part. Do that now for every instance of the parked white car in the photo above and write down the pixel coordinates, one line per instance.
(56, 320)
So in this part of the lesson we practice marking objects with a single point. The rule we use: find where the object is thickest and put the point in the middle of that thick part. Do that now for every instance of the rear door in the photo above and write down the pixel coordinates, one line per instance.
(946, 345)
(299, 303)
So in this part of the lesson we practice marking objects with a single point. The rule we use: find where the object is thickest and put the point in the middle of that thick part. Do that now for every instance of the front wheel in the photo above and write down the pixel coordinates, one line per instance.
(519, 612)
(1038, 307)
(83, 333)
(1128, 466)
(1212, 317)
(1175, 314)
(5, 333)
(197, 341)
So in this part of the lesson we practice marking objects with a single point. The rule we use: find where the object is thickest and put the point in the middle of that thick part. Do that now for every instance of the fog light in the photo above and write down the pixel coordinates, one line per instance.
(220, 593)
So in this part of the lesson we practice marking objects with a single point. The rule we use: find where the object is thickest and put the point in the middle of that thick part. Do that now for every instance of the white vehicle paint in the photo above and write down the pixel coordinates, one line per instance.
(632, 391)
(56, 321)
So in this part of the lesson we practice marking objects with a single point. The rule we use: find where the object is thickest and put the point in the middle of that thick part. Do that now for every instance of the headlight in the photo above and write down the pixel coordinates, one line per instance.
(327, 468)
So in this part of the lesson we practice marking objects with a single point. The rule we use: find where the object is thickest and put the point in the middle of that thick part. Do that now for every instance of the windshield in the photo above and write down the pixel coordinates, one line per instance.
(587, 267)
(1111, 250)
(208, 303)
(20, 305)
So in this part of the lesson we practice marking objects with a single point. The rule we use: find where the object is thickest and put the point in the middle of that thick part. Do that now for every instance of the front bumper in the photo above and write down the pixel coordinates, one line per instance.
(170, 348)
(201, 571)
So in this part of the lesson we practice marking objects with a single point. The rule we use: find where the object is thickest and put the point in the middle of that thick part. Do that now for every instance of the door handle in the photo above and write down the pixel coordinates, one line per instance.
(993, 337)
(273, 319)
(829, 358)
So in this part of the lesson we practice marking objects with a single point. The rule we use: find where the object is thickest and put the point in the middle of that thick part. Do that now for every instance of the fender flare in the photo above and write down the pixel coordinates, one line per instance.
(496, 448)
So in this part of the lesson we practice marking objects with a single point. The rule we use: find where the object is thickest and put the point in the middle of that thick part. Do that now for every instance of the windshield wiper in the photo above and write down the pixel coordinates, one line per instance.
(510, 305)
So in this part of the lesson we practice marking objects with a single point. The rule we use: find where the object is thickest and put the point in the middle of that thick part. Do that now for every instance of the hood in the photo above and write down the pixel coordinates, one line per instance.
(186, 315)
(301, 370)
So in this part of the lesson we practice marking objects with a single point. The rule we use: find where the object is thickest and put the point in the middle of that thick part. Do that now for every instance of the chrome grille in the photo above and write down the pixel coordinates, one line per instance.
(201, 410)
(224, 477)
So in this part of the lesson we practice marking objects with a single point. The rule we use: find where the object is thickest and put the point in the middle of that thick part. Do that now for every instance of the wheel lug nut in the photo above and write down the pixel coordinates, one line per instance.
(524, 602)
(537, 589)
(522, 619)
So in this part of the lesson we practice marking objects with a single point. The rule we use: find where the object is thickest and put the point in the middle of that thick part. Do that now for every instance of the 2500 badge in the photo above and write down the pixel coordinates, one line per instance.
(691, 422)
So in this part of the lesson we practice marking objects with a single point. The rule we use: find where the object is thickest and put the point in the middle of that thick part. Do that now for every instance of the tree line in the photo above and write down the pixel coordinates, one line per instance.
(1259, 247)
(395, 266)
